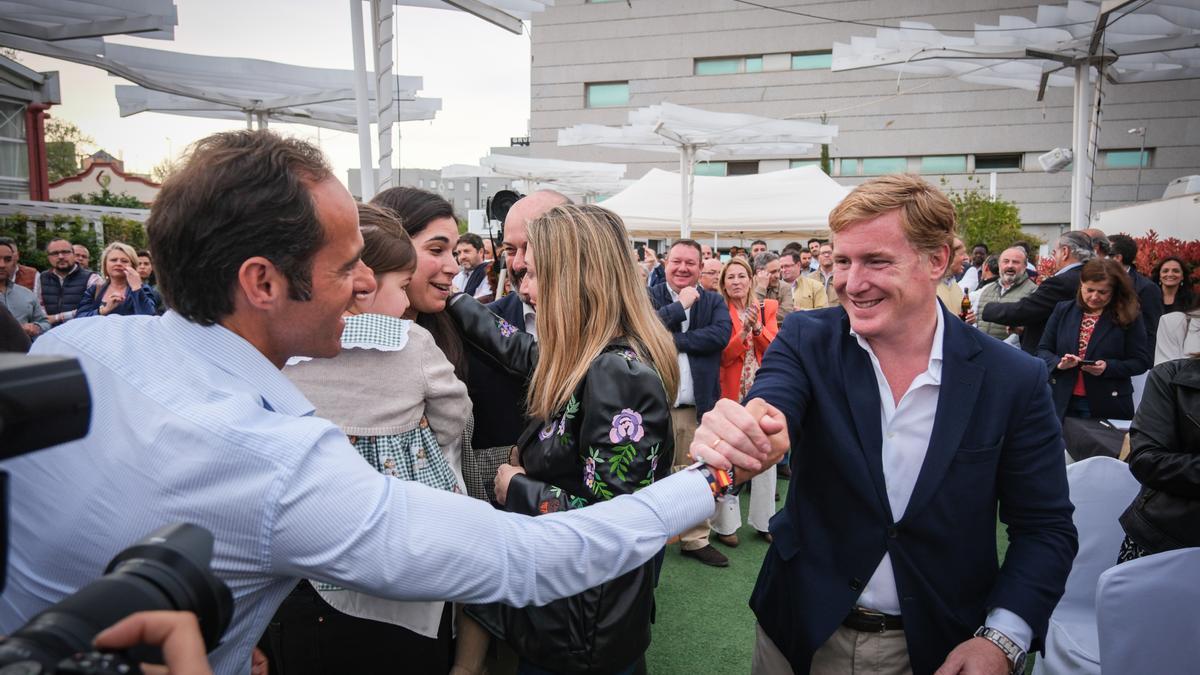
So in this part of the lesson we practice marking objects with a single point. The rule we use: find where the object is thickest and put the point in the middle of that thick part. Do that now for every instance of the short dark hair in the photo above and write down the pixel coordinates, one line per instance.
(143, 252)
(471, 238)
(687, 242)
(1124, 246)
(985, 247)
(8, 241)
(809, 243)
(240, 194)
(58, 239)
(756, 242)
(793, 253)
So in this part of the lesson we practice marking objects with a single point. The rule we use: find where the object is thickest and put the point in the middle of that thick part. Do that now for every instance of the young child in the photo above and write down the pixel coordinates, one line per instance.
(396, 396)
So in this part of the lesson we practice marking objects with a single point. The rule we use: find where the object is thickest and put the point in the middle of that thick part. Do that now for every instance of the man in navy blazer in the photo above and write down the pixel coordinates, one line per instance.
(909, 431)
(699, 321)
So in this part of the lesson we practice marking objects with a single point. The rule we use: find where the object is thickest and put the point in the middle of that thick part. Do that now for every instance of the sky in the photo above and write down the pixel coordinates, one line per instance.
(480, 72)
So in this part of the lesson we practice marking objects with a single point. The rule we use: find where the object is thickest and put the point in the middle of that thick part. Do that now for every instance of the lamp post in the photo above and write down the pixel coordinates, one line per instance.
(1141, 132)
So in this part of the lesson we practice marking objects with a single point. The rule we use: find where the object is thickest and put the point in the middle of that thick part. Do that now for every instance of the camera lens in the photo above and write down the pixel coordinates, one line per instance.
(169, 570)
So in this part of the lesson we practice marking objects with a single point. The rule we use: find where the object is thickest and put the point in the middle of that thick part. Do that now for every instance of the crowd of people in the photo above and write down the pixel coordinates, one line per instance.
(413, 449)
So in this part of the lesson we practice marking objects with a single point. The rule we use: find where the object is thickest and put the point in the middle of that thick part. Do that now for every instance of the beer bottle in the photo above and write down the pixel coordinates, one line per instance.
(966, 307)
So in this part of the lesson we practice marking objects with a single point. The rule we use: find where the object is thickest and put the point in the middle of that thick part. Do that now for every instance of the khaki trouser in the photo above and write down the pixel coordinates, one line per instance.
(846, 652)
(683, 421)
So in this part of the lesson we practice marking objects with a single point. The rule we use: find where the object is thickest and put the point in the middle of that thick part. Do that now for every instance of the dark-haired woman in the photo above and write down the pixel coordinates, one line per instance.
(1174, 277)
(1095, 344)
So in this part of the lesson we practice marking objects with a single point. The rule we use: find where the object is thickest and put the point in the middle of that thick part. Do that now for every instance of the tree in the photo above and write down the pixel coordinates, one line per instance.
(106, 198)
(62, 141)
(826, 163)
(164, 169)
(981, 219)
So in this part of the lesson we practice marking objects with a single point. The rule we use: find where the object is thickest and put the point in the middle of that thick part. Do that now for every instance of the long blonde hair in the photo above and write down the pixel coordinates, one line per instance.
(737, 262)
(589, 294)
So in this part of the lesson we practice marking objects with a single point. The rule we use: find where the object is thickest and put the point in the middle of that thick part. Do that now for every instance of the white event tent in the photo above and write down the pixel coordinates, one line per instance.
(701, 134)
(792, 203)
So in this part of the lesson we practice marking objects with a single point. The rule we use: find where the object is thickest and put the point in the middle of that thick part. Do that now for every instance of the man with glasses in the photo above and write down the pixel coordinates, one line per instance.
(20, 301)
(61, 287)
(710, 275)
(824, 273)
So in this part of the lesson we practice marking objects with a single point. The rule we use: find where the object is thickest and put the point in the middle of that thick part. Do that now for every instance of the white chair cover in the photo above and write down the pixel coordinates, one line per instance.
(1101, 489)
(1146, 610)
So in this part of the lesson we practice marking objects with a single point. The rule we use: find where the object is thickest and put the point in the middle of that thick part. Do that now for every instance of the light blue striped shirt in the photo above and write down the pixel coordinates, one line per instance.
(192, 424)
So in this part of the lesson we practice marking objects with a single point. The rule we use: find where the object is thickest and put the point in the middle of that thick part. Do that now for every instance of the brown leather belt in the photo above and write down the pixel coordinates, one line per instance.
(867, 621)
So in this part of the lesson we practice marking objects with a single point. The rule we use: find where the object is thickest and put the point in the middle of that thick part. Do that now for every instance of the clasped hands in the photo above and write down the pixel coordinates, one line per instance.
(753, 437)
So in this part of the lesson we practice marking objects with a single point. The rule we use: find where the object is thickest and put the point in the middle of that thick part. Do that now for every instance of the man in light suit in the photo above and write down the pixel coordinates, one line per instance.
(908, 428)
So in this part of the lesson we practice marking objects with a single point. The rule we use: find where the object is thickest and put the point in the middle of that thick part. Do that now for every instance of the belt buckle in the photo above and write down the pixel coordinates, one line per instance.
(873, 615)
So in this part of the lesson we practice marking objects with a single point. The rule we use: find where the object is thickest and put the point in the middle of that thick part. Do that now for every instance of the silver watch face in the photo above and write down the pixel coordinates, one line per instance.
(1019, 664)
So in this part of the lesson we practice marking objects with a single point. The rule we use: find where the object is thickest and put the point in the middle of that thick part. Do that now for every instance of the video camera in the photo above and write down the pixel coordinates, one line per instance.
(44, 401)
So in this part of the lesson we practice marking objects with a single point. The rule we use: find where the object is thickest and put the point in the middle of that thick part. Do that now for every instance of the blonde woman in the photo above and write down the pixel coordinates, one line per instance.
(598, 378)
(122, 291)
(754, 327)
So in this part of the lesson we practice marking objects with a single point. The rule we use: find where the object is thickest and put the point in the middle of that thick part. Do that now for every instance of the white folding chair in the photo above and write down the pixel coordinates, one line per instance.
(1101, 489)
(1146, 611)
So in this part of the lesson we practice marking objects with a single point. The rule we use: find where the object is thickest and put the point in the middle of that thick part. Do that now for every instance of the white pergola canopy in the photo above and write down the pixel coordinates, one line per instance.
(552, 170)
(73, 19)
(701, 134)
(793, 203)
(1125, 41)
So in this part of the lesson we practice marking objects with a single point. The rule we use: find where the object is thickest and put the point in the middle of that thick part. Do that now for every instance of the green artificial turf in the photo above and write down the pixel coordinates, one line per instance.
(704, 623)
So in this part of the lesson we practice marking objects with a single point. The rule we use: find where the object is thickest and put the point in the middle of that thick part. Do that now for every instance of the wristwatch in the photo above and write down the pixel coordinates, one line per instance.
(1016, 655)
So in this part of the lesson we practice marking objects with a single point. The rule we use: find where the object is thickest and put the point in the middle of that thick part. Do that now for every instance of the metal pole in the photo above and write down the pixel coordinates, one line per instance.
(262, 120)
(366, 166)
(1082, 167)
(385, 106)
(685, 211)
(249, 120)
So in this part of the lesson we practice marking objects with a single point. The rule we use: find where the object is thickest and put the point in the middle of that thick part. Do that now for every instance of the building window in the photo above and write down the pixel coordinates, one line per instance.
(607, 94)
(467, 204)
(1126, 159)
(848, 167)
(711, 169)
(880, 166)
(741, 168)
(729, 65)
(482, 187)
(467, 186)
(989, 163)
(801, 163)
(14, 155)
(944, 164)
(812, 61)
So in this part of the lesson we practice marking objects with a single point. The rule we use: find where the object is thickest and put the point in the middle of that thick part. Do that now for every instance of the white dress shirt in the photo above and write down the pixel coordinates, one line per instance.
(907, 427)
(191, 423)
(687, 391)
(530, 316)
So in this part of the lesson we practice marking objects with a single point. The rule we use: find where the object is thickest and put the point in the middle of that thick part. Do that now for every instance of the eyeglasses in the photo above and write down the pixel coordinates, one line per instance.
(52, 253)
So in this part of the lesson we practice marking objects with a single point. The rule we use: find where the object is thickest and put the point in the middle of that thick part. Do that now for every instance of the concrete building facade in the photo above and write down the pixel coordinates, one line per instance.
(593, 61)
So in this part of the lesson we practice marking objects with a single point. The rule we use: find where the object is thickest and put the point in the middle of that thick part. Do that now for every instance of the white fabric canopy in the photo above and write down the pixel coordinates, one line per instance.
(793, 203)
(334, 114)
(701, 134)
(73, 19)
(552, 170)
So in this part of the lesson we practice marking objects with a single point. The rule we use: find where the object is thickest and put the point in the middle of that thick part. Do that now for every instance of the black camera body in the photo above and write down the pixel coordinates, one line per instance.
(44, 401)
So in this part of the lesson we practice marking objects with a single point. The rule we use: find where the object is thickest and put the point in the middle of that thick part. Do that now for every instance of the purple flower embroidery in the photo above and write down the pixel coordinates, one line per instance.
(562, 425)
(506, 328)
(626, 424)
(629, 355)
(547, 431)
(653, 465)
(589, 472)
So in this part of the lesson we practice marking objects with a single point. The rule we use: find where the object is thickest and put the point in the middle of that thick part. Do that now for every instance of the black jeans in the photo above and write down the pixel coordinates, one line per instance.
(308, 637)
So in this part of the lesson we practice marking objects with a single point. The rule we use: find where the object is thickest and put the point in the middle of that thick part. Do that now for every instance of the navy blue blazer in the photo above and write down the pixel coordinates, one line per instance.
(1124, 351)
(708, 332)
(1151, 300)
(498, 398)
(1033, 310)
(995, 439)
